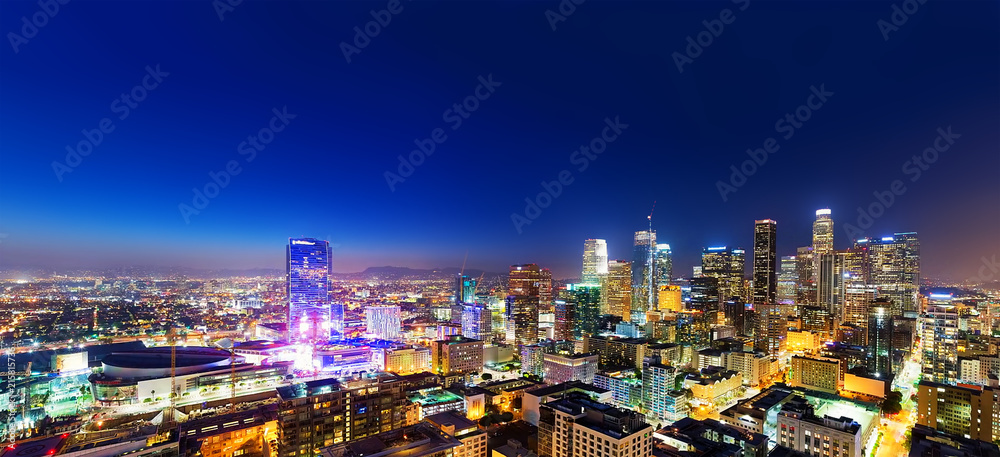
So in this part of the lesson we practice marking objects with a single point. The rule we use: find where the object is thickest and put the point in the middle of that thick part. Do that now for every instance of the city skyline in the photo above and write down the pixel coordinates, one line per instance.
(130, 200)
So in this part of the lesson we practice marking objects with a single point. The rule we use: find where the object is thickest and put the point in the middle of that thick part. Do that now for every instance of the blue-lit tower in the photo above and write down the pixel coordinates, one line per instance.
(309, 263)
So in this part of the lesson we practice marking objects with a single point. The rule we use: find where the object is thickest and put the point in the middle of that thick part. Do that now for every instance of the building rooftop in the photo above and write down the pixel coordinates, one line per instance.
(415, 441)
(571, 385)
(433, 396)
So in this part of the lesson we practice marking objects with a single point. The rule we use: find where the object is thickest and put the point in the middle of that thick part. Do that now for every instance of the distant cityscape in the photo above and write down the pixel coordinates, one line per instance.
(842, 353)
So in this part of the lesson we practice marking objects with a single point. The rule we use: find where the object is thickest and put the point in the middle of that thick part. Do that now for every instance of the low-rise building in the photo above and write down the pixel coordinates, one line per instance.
(820, 374)
(564, 368)
(533, 399)
(473, 439)
(576, 426)
(800, 429)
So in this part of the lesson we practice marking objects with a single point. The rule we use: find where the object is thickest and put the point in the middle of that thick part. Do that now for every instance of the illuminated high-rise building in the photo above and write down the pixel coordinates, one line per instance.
(940, 339)
(586, 299)
(765, 265)
(771, 327)
(565, 319)
(705, 297)
(337, 321)
(664, 265)
(309, 263)
(644, 285)
(805, 293)
(465, 289)
(595, 261)
(545, 290)
(893, 264)
(727, 266)
(670, 298)
(618, 289)
(879, 340)
(788, 281)
(830, 281)
(823, 232)
(384, 322)
(523, 299)
(477, 322)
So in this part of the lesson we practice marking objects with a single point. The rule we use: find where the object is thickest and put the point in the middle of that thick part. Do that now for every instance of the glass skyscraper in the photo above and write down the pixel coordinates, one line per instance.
(893, 266)
(595, 261)
(309, 263)
(644, 287)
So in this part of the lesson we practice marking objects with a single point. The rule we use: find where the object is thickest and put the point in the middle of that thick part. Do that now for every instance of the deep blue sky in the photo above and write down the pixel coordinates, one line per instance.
(323, 176)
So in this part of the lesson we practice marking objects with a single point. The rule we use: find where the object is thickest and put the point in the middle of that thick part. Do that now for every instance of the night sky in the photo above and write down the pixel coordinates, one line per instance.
(324, 173)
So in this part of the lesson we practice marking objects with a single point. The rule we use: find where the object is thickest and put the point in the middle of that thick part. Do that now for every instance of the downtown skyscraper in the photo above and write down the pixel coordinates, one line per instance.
(771, 328)
(523, 299)
(644, 282)
(893, 267)
(595, 261)
(617, 290)
(308, 265)
(727, 266)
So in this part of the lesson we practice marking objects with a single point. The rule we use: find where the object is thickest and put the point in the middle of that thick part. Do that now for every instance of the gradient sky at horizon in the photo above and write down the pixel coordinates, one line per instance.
(323, 175)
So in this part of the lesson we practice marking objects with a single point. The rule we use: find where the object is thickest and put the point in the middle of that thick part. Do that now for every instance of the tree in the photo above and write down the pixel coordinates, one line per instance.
(506, 416)
(487, 376)
(486, 421)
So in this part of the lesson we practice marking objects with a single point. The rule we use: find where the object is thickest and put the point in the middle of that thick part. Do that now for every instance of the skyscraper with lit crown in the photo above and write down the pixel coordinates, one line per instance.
(308, 266)
(595, 261)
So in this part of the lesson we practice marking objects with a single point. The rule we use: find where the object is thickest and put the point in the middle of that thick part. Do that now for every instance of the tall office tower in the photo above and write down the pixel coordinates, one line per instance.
(384, 322)
(765, 265)
(788, 282)
(523, 298)
(830, 281)
(705, 297)
(586, 299)
(823, 232)
(595, 261)
(337, 321)
(735, 312)
(477, 322)
(817, 319)
(771, 326)
(309, 263)
(565, 320)
(857, 306)
(643, 275)
(618, 289)
(805, 294)
(727, 266)
(894, 267)
(940, 339)
(670, 298)
(465, 289)
(664, 265)
(880, 339)
(545, 290)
